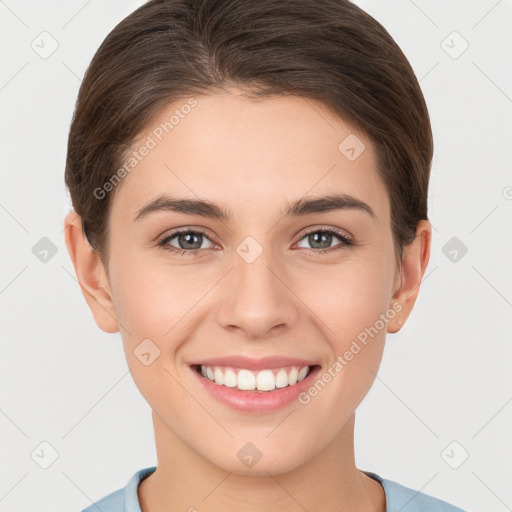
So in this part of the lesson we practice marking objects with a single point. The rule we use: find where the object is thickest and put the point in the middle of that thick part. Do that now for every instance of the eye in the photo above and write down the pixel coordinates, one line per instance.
(188, 241)
(322, 239)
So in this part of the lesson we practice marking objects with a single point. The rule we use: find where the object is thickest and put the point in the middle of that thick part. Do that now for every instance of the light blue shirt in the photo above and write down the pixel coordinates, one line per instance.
(398, 497)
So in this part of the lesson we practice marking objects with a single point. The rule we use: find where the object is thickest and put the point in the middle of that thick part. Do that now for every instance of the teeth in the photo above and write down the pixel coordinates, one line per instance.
(302, 374)
(247, 380)
(281, 379)
(218, 375)
(265, 381)
(230, 379)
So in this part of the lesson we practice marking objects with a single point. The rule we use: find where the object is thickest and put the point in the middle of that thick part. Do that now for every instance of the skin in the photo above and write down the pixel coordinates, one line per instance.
(252, 157)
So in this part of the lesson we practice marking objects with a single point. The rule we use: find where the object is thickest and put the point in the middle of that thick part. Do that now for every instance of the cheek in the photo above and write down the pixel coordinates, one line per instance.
(151, 299)
(352, 309)
(152, 307)
(348, 298)
(352, 326)
(158, 307)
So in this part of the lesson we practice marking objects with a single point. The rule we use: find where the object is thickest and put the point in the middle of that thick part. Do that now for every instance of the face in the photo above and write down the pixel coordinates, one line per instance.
(257, 287)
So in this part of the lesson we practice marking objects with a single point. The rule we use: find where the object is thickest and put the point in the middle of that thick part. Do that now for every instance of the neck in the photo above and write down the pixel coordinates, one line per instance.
(328, 482)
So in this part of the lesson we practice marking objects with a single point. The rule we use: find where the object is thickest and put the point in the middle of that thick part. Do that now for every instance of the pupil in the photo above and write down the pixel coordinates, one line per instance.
(188, 238)
(323, 237)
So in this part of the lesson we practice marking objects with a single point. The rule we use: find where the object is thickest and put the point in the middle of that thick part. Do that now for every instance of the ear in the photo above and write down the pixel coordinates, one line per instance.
(415, 257)
(91, 274)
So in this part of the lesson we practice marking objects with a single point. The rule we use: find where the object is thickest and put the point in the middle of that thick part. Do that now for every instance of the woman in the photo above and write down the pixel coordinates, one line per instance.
(250, 184)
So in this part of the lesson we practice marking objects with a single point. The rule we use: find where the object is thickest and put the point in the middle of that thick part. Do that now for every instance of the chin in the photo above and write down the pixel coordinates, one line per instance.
(249, 460)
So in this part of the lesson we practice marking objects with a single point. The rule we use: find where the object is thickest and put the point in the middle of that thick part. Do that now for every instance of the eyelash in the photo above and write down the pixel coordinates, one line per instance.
(346, 241)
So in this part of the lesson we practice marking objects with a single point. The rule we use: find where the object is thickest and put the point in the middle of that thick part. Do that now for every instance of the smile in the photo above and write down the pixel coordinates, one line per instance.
(264, 380)
(254, 385)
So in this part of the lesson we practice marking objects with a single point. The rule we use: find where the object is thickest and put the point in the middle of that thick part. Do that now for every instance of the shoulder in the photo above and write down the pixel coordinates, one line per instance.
(122, 500)
(114, 502)
(404, 499)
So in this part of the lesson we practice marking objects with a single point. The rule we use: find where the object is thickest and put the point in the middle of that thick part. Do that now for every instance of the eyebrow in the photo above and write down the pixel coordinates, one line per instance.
(207, 209)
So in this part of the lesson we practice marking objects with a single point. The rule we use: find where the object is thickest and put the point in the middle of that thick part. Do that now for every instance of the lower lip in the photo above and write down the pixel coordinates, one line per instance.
(254, 401)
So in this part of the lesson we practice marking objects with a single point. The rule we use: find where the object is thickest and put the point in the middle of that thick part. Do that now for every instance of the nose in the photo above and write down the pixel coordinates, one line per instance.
(258, 301)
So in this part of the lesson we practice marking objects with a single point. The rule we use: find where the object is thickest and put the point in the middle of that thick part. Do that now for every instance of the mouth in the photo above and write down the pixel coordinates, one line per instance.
(262, 381)
(254, 385)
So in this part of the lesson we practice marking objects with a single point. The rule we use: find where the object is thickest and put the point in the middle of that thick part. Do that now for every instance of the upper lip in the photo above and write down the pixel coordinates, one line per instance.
(250, 363)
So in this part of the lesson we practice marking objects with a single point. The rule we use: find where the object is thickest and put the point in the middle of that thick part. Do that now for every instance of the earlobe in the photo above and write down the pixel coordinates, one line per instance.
(415, 258)
(91, 275)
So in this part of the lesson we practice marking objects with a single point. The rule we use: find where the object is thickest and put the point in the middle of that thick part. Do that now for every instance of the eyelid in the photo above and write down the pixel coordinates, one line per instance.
(331, 229)
(165, 237)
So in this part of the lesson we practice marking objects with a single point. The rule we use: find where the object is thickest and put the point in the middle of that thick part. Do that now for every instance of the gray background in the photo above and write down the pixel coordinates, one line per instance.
(444, 390)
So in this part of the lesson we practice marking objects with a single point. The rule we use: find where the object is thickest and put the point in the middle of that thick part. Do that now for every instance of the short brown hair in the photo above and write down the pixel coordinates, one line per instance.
(330, 51)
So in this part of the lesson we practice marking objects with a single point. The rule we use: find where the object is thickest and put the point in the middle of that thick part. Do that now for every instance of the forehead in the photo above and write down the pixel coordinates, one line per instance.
(249, 155)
